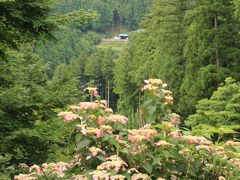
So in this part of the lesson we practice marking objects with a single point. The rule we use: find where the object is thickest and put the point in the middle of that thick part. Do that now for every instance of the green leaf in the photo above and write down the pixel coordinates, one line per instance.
(148, 167)
(101, 158)
(156, 160)
(151, 119)
(237, 149)
(105, 137)
(221, 130)
(78, 138)
(197, 164)
(231, 154)
(147, 103)
(149, 154)
(125, 150)
(126, 175)
(83, 144)
(152, 109)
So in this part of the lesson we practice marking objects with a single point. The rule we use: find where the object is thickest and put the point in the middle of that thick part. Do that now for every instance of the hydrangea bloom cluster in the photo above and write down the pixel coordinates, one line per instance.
(113, 162)
(95, 151)
(115, 118)
(57, 169)
(139, 135)
(155, 151)
(156, 86)
(92, 91)
(69, 116)
(140, 176)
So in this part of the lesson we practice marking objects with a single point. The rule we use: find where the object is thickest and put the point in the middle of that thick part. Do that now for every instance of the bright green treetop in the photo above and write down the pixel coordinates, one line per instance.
(222, 109)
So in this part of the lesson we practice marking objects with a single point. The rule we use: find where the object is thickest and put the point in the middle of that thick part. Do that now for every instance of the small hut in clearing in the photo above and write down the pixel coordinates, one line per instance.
(123, 36)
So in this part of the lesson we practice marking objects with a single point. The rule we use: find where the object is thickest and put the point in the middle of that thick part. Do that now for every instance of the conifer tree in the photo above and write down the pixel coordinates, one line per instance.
(157, 52)
(221, 110)
(211, 50)
(165, 24)
(21, 21)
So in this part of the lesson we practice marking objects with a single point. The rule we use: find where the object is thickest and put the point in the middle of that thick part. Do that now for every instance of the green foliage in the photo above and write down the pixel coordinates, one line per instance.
(71, 44)
(100, 65)
(21, 21)
(211, 51)
(27, 109)
(113, 15)
(221, 110)
(22, 92)
(155, 52)
(237, 5)
(64, 87)
(24, 21)
(22, 101)
(75, 18)
(192, 45)
(105, 148)
(156, 102)
(37, 79)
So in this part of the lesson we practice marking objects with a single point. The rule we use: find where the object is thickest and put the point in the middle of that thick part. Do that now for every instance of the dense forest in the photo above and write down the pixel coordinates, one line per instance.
(182, 59)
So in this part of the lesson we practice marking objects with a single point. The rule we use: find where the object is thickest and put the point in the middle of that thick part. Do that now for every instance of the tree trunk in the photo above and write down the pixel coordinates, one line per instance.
(216, 43)
(108, 95)
(105, 93)
(113, 21)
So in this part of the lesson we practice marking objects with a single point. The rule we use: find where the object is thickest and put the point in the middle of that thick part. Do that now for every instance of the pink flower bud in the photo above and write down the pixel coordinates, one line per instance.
(95, 93)
(131, 138)
(118, 138)
(117, 168)
(99, 133)
(175, 122)
(101, 120)
(94, 153)
(147, 136)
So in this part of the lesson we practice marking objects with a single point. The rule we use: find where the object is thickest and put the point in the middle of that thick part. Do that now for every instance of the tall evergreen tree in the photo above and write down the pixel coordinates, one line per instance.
(22, 101)
(165, 24)
(27, 102)
(157, 52)
(21, 21)
(113, 15)
(211, 50)
(64, 86)
(221, 110)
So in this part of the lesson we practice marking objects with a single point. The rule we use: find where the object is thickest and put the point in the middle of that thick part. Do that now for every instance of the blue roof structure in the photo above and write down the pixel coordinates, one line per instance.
(123, 35)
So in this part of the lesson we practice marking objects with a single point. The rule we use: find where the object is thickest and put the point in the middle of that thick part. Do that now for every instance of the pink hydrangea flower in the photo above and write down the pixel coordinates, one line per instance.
(68, 116)
(95, 93)
(101, 120)
(118, 138)
(99, 133)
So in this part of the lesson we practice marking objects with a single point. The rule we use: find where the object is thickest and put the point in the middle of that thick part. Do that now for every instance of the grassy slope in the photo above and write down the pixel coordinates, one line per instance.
(117, 45)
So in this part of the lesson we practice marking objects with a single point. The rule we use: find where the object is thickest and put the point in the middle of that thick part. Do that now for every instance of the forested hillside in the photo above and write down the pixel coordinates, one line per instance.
(191, 46)
(113, 15)
(29, 97)
(164, 104)
(46, 62)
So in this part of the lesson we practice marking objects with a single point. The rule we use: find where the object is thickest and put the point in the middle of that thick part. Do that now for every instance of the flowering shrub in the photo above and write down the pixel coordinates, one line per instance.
(157, 101)
(107, 150)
